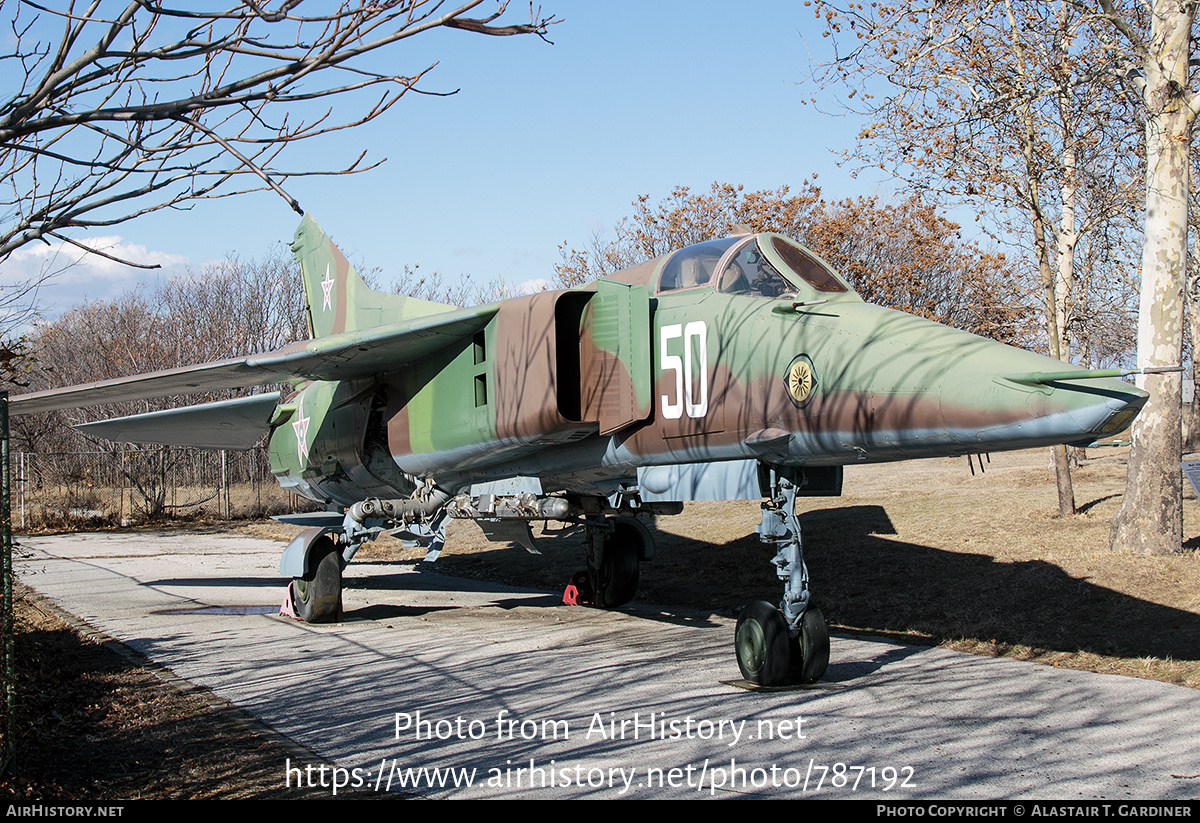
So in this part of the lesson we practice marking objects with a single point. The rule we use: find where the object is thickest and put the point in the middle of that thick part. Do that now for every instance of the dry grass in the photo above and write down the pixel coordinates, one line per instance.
(58, 508)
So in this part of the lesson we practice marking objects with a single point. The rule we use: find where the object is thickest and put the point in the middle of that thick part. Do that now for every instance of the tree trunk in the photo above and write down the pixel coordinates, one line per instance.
(1150, 520)
(1062, 474)
(1191, 412)
(1055, 335)
(1059, 296)
(1050, 303)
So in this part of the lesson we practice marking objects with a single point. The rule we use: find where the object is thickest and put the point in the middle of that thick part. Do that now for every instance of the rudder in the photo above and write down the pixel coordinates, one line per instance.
(336, 298)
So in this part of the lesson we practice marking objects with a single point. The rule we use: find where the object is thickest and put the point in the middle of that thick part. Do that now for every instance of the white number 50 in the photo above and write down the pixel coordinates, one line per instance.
(688, 371)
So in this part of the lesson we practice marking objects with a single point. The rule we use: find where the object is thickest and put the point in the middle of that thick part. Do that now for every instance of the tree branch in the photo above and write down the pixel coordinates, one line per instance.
(149, 107)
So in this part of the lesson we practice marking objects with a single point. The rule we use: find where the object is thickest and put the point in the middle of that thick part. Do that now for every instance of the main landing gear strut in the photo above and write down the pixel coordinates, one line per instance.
(615, 548)
(789, 643)
(316, 591)
(315, 558)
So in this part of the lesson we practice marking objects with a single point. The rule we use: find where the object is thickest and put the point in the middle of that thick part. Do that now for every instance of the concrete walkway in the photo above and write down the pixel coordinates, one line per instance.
(442, 682)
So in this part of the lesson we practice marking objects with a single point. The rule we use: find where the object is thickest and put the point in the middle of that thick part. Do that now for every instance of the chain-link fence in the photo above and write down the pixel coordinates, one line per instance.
(131, 485)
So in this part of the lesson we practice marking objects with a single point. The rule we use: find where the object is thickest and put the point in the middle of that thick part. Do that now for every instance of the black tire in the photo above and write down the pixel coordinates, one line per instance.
(615, 580)
(318, 594)
(810, 650)
(761, 643)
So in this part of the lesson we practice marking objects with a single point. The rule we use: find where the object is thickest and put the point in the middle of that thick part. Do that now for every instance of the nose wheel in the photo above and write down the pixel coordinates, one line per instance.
(770, 654)
(809, 648)
(762, 644)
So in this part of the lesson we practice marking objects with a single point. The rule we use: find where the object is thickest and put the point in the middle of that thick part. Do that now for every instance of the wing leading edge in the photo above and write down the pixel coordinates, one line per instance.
(228, 424)
(342, 356)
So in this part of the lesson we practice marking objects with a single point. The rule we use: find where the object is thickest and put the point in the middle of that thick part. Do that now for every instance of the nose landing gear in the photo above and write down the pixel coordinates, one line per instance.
(788, 644)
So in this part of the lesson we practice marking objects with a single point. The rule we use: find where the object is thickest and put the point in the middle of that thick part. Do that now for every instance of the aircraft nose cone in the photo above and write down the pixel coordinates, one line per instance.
(1095, 408)
(1017, 406)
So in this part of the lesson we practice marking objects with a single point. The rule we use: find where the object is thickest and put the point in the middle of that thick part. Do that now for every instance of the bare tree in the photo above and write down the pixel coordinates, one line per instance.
(228, 308)
(1012, 107)
(682, 218)
(233, 307)
(1158, 62)
(904, 256)
(126, 109)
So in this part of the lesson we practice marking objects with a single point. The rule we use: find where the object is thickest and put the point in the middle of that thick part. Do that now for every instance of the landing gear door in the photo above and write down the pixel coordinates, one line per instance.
(614, 356)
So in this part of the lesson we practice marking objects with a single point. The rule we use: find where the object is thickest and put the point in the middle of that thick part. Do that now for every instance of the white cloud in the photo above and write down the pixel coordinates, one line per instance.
(67, 275)
(538, 284)
(70, 264)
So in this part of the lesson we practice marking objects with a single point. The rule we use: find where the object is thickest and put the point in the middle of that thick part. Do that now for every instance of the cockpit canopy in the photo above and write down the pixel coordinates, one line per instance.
(757, 265)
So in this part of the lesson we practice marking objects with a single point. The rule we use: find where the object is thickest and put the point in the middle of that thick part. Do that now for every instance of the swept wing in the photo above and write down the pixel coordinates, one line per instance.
(228, 424)
(342, 356)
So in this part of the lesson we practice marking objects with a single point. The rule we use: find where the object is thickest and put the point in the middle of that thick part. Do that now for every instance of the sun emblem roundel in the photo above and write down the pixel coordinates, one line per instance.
(801, 380)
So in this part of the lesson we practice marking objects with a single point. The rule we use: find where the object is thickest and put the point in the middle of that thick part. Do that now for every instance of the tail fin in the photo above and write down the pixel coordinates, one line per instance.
(337, 298)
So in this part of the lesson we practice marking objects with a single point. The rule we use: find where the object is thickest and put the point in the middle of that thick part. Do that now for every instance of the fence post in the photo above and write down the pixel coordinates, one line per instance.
(9, 754)
(121, 505)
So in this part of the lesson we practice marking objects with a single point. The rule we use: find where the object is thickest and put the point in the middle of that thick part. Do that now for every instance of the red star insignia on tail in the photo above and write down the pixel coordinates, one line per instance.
(301, 428)
(327, 288)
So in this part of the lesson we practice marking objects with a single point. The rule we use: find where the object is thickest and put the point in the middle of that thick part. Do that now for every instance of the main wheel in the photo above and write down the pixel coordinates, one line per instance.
(318, 594)
(761, 642)
(615, 580)
(810, 650)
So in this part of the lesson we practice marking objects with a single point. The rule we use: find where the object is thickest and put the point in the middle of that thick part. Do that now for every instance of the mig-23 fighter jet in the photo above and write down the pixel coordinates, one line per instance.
(743, 368)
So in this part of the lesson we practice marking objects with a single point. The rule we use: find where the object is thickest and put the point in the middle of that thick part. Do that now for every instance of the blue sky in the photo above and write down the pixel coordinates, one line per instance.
(543, 144)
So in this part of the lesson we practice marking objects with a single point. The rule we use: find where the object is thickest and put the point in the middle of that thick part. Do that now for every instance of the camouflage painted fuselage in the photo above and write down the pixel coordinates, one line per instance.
(580, 388)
